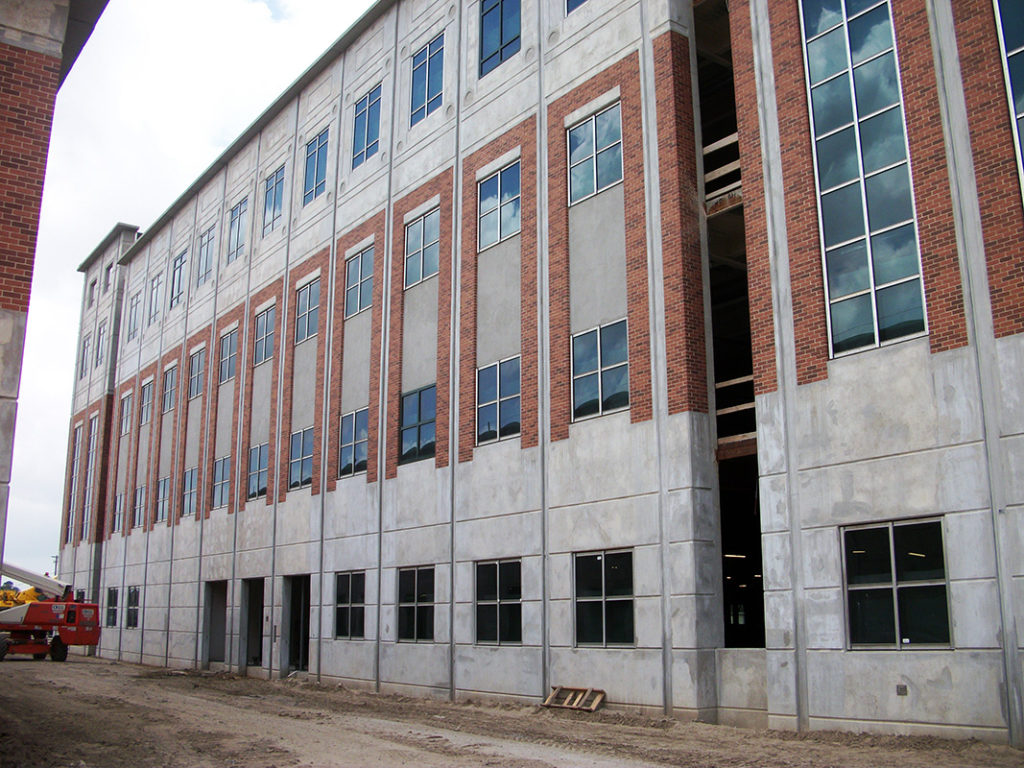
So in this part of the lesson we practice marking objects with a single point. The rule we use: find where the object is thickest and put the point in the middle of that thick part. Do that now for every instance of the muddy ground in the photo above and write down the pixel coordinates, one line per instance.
(90, 713)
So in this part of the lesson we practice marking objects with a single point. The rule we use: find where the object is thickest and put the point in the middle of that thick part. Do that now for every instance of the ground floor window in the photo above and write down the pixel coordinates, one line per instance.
(499, 607)
(111, 606)
(416, 603)
(604, 598)
(350, 608)
(131, 612)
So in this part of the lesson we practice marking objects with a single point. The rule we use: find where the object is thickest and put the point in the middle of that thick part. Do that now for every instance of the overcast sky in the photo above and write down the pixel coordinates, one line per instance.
(159, 91)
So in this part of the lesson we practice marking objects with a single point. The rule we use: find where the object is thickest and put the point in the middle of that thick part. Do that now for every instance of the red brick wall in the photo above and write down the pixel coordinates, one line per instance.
(26, 111)
(322, 261)
(193, 341)
(373, 226)
(523, 136)
(995, 162)
(440, 185)
(686, 352)
(204, 483)
(759, 279)
(626, 75)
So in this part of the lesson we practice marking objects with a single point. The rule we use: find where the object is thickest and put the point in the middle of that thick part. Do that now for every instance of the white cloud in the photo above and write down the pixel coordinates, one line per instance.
(160, 90)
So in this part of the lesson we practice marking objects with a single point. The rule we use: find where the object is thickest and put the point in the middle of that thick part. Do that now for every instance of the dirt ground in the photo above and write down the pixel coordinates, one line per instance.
(90, 713)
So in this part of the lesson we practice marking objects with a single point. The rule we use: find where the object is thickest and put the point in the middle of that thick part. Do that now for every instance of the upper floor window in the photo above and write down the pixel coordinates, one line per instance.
(126, 414)
(366, 131)
(419, 411)
(497, 400)
(315, 181)
(205, 259)
(354, 440)
(107, 273)
(600, 370)
(300, 459)
(196, 366)
(604, 598)
(170, 388)
(145, 403)
(177, 279)
(86, 357)
(416, 603)
(188, 493)
(163, 494)
(101, 343)
(236, 229)
(499, 32)
(307, 306)
(1011, 38)
(498, 206)
(272, 200)
(91, 293)
(154, 298)
(263, 345)
(258, 457)
(118, 521)
(422, 247)
(139, 507)
(228, 355)
(112, 604)
(499, 602)
(427, 79)
(221, 481)
(359, 282)
(350, 599)
(572, 5)
(865, 200)
(896, 585)
(133, 315)
(595, 154)
(131, 613)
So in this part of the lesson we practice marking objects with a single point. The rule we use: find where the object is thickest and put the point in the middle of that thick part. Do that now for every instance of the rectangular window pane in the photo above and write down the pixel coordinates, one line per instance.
(924, 617)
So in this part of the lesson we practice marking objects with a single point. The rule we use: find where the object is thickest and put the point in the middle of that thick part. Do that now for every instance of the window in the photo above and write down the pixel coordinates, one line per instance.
(350, 598)
(177, 279)
(228, 353)
(118, 522)
(572, 5)
(595, 154)
(499, 608)
(263, 346)
(273, 196)
(85, 358)
(188, 492)
(600, 370)
(236, 229)
(139, 507)
(131, 613)
(258, 456)
(90, 476)
(145, 403)
(300, 461)
(307, 306)
(1011, 38)
(366, 132)
(499, 32)
(196, 365)
(604, 598)
(316, 168)
(221, 481)
(154, 298)
(107, 272)
(76, 453)
(427, 79)
(419, 409)
(866, 208)
(422, 247)
(914, 602)
(359, 282)
(170, 387)
(416, 603)
(204, 262)
(126, 414)
(354, 440)
(497, 401)
(101, 343)
(133, 315)
(92, 293)
(498, 206)
(111, 606)
(163, 494)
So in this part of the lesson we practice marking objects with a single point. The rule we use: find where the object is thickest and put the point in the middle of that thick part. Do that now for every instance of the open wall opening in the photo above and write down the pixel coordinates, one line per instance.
(252, 623)
(216, 620)
(296, 620)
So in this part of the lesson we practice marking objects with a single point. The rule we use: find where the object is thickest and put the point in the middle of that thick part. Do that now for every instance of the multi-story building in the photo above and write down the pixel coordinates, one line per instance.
(667, 348)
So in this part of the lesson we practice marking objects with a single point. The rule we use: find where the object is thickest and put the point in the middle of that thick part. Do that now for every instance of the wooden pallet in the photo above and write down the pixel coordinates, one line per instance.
(563, 697)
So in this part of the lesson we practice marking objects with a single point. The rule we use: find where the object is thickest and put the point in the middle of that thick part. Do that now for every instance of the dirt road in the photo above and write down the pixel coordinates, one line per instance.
(98, 714)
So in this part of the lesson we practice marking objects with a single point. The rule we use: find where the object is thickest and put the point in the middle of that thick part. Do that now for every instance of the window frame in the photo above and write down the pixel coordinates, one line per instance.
(314, 181)
(189, 493)
(307, 320)
(418, 425)
(499, 400)
(572, 5)
(592, 156)
(112, 604)
(498, 601)
(131, 611)
(418, 252)
(263, 339)
(353, 418)
(177, 287)
(600, 370)
(220, 490)
(603, 598)
(500, 206)
(1016, 119)
(163, 499)
(139, 507)
(85, 357)
(126, 413)
(237, 229)
(117, 521)
(169, 388)
(204, 256)
(146, 402)
(363, 111)
(488, 63)
(228, 357)
(101, 343)
(155, 288)
(196, 371)
(428, 51)
(273, 200)
(350, 606)
(260, 472)
(361, 282)
(297, 465)
(132, 321)
(416, 604)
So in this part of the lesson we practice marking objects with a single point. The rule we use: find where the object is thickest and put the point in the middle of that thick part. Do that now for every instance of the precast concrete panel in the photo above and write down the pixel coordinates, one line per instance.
(355, 361)
(304, 384)
(259, 425)
(597, 260)
(121, 484)
(352, 510)
(502, 478)
(498, 278)
(419, 335)
(194, 420)
(511, 670)
(142, 459)
(168, 441)
(225, 417)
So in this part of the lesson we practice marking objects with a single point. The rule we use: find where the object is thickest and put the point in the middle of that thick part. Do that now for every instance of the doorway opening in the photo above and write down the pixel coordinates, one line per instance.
(296, 609)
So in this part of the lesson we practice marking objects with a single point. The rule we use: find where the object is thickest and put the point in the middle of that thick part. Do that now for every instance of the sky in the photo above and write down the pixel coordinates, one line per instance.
(157, 94)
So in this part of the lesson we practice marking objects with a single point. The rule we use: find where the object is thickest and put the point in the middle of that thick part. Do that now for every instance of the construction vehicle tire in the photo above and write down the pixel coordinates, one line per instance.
(38, 656)
(4, 645)
(58, 651)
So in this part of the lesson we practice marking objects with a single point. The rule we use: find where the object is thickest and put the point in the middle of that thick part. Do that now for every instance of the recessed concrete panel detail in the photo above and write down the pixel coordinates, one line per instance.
(259, 427)
(597, 260)
(355, 362)
(304, 384)
(497, 309)
(419, 335)
(225, 415)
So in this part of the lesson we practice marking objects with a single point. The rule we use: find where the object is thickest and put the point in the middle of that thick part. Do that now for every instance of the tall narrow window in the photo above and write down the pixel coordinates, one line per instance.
(237, 226)
(145, 403)
(257, 480)
(359, 282)
(101, 343)
(427, 79)
(131, 611)
(163, 496)
(188, 492)
(419, 410)
(865, 199)
(263, 344)
(177, 279)
(107, 272)
(499, 32)
(133, 316)
(307, 306)
(300, 461)
(273, 198)
(604, 598)
(92, 293)
(228, 354)
(126, 414)
(366, 131)
(354, 439)
(422, 247)
(499, 602)
(76, 457)
(315, 181)
(85, 358)
(139, 507)
(90, 476)
(497, 400)
(350, 608)
(498, 206)
(1011, 38)
(196, 366)
(221, 481)
(416, 603)
(111, 606)
(155, 286)
(170, 388)
(205, 258)
(600, 370)
(118, 522)
(595, 154)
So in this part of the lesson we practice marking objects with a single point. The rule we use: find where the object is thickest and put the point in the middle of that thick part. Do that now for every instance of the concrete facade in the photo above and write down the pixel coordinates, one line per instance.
(717, 489)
